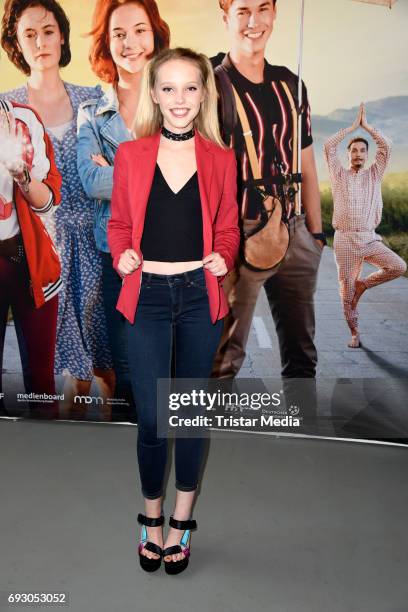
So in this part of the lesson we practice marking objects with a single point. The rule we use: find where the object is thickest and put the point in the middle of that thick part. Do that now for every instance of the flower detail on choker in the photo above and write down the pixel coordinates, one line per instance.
(173, 136)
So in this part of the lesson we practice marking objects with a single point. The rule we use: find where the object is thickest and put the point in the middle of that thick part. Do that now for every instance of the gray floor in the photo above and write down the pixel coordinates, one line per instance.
(285, 524)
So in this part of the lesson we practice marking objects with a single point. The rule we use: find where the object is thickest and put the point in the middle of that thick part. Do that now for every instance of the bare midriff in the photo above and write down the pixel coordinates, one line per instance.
(174, 267)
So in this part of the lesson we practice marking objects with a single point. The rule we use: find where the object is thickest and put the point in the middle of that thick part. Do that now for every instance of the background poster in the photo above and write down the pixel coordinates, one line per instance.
(353, 52)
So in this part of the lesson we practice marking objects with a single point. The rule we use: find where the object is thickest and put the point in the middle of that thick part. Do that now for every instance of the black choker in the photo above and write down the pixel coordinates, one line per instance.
(173, 136)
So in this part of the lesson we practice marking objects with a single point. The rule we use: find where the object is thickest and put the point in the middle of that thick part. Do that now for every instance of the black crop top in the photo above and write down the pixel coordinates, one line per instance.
(173, 228)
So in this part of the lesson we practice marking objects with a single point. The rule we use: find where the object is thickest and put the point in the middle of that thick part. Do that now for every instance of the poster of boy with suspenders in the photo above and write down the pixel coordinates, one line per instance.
(259, 116)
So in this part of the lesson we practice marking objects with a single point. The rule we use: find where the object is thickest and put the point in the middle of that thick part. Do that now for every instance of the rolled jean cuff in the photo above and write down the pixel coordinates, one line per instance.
(186, 488)
(147, 495)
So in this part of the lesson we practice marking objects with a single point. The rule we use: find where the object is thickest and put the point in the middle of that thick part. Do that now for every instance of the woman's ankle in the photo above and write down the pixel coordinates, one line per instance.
(153, 507)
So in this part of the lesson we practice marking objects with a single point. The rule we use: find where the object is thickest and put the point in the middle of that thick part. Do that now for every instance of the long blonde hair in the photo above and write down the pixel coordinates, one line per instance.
(149, 118)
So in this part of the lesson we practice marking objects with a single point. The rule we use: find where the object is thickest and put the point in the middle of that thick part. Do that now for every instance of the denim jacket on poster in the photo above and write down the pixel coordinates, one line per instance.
(101, 129)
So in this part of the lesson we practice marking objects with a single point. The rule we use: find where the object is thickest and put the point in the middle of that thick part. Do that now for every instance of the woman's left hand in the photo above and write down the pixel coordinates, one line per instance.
(215, 264)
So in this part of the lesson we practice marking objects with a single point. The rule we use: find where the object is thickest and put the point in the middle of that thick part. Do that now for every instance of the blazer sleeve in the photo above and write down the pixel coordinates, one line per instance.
(120, 223)
(226, 230)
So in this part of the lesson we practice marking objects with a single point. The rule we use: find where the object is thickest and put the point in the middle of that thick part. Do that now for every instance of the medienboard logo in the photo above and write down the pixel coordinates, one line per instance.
(87, 399)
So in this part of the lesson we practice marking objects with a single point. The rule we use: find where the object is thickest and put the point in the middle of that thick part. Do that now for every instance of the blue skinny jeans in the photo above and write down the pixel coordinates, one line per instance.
(172, 323)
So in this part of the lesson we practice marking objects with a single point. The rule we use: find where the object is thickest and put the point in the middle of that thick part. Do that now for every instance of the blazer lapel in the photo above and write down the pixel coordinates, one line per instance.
(143, 175)
(205, 161)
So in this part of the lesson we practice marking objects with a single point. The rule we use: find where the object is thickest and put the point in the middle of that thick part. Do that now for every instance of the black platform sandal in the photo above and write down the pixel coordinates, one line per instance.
(175, 567)
(149, 565)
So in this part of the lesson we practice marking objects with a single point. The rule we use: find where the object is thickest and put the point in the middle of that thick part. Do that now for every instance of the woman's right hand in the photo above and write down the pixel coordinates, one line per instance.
(129, 261)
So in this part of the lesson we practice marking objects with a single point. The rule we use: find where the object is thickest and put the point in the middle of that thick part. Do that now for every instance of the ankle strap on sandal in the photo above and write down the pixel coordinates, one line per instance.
(150, 522)
(190, 524)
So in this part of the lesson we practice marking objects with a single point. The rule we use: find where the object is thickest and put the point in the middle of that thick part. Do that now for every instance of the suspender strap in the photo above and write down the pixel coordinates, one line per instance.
(247, 133)
(295, 164)
(250, 146)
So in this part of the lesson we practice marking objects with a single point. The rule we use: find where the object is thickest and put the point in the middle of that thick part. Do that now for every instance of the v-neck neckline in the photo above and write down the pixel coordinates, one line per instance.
(183, 187)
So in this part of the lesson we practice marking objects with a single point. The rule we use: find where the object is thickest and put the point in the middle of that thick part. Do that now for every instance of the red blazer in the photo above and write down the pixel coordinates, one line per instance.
(135, 163)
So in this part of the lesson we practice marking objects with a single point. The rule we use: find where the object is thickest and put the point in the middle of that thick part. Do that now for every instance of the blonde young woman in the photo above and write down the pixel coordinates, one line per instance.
(173, 236)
